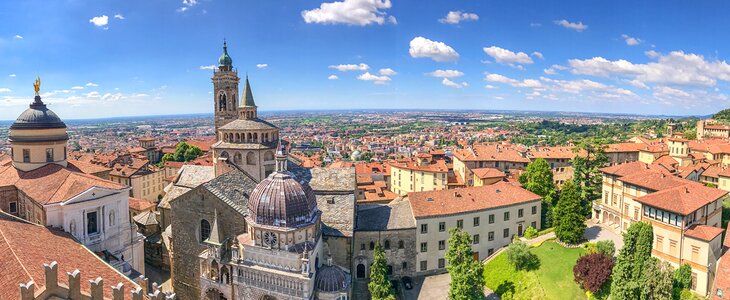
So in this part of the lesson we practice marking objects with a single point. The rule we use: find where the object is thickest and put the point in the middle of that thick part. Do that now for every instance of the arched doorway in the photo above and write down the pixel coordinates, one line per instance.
(360, 271)
(214, 294)
(267, 297)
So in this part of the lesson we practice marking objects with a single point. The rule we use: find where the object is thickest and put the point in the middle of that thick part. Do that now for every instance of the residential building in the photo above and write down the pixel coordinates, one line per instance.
(420, 175)
(492, 214)
(486, 156)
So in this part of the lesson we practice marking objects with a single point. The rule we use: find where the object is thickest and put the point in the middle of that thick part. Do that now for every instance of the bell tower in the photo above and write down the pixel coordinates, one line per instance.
(225, 90)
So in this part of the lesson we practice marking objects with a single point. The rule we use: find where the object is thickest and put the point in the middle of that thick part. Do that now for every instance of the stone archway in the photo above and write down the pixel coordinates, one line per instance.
(214, 294)
(361, 271)
(267, 297)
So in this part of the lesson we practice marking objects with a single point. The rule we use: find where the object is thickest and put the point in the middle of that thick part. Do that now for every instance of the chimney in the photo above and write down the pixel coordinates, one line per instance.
(97, 288)
(50, 272)
(118, 291)
(27, 290)
(74, 284)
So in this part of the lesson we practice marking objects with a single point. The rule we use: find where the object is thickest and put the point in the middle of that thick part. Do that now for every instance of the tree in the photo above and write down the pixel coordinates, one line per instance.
(568, 219)
(520, 257)
(467, 278)
(627, 279)
(586, 170)
(683, 277)
(606, 248)
(657, 280)
(379, 285)
(183, 152)
(530, 232)
(538, 178)
(592, 271)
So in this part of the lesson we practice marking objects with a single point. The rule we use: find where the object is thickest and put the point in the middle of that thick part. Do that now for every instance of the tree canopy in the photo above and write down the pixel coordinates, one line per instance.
(569, 221)
(538, 178)
(592, 271)
(183, 152)
(379, 285)
(723, 115)
(586, 171)
(467, 273)
(628, 279)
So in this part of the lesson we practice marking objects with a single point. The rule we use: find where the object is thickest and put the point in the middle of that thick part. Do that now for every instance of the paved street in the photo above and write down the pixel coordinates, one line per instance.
(435, 287)
(595, 233)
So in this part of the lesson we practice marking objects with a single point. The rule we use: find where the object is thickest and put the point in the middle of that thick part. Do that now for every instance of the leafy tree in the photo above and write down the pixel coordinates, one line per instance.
(520, 257)
(606, 248)
(586, 171)
(379, 285)
(538, 178)
(569, 221)
(183, 152)
(723, 115)
(530, 232)
(467, 278)
(683, 277)
(627, 279)
(657, 280)
(592, 271)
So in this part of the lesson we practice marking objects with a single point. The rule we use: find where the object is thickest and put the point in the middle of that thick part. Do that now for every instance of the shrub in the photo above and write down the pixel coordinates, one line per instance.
(683, 277)
(530, 233)
(606, 248)
(592, 271)
(520, 257)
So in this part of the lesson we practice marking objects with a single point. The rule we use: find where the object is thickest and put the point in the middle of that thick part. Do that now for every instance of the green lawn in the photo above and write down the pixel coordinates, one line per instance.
(553, 279)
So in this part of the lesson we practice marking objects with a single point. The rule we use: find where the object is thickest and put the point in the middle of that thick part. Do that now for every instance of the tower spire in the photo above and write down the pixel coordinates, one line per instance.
(281, 158)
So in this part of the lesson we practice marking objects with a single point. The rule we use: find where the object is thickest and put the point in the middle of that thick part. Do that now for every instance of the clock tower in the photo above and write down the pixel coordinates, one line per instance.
(225, 90)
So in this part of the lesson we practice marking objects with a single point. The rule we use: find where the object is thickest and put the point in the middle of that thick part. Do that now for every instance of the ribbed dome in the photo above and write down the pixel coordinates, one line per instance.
(225, 59)
(331, 279)
(38, 116)
(280, 200)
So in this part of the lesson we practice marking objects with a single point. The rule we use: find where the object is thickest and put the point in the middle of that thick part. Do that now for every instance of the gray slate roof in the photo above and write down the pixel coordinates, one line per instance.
(234, 188)
(252, 124)
(189, 177)
(380, 217)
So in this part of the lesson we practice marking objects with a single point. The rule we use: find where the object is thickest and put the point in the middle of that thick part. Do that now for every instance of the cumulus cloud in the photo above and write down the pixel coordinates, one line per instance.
(451, 84)
(333, 77)
(350, 67)
(91, 84)
(578, 86)
(526, 83)
(446, 73)
(262, 66)
(538, 55)
(187, 4)
(210, 67)
(387, 72)
(119, 16)
(677, 68)
(77, 87)
(504, 56)
(100, 21)
(552, 70)
(374, 78)
(18, 37)
(5, 90)
(437, 51)
(631, 41)
(350, 12)
(579, 26)
(455, 17)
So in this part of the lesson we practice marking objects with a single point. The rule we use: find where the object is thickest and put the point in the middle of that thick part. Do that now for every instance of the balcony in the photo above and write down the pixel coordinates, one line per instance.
(269, 287)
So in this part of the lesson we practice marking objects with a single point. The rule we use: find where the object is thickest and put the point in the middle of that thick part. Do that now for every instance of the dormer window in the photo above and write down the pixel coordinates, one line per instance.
(49, 154)
(26, 155)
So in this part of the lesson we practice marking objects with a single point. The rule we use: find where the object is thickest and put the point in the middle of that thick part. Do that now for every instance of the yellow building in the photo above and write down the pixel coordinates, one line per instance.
(559, 158)
(685, 215)
(417, 176)
(486, 156)
(147, 181)
(487, 176)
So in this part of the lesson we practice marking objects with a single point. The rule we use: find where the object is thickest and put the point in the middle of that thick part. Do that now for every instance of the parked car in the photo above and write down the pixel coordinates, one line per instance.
(407, 282)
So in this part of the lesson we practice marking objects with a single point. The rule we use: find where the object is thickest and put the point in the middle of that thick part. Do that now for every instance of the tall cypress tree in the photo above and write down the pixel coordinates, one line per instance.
(628, 278)
(379, 285)
(568, 219)
(467, 273)
(538, 178)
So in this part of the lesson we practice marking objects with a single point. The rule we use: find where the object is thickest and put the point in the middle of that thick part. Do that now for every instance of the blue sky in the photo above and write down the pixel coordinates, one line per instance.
(121, 58)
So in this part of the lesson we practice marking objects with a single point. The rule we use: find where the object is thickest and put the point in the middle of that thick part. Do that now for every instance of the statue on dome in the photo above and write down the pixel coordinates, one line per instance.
(37, 85)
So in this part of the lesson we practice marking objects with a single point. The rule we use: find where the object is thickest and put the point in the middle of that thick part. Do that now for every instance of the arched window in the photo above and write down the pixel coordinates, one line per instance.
(248, 140)
(250, 158)
(238, 137)
(204, 230)
(255, 137)
(238, 158)
(213, 270)
(387, 244)
(400, 244)
(268, 156)
(372, 245)
(224, 154)
(222, 104)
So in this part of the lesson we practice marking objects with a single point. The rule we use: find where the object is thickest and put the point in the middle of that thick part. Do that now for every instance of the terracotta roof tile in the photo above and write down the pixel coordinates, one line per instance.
(682, 199)
(703, 232)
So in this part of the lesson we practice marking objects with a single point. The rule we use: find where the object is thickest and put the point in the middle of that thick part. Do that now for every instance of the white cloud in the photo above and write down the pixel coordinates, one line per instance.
(504, 56)
(387, 72)
(631, 41)
(100, 21)
(552, 70)
(333, 77)
(535, 24)
(446, 73)
(262, 66)
(350, 67)
(452, 84)
(489, 86)
(374, 78)
(437, 51)
(5, 90)
(538, 55)
(187, 4)
(677, 68)
(77, 87)
(210, 67)
(18, 37)
(12, 75)
(579, 26)
(119, 16)
(351, 12)
(91, 84)
(454, 17)
(527, 83)
(579, 86)
(665, 91)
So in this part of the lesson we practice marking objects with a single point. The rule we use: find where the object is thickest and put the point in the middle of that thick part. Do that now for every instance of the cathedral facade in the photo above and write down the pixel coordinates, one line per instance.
(261, 229)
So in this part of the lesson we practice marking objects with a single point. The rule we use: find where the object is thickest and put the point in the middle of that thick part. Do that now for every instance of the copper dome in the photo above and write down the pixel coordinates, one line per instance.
(331, 279)
(279, 200)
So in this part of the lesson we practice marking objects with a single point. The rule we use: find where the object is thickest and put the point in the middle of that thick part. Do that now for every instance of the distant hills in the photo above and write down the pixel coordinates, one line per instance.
(723, 115)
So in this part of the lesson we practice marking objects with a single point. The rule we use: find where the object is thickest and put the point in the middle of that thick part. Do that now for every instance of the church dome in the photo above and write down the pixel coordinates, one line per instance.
(279, 200)
(330, 279)
(38, 116)
(225, 59)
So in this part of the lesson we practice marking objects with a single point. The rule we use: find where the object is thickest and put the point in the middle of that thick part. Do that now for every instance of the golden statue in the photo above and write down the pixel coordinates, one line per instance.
(37, 85)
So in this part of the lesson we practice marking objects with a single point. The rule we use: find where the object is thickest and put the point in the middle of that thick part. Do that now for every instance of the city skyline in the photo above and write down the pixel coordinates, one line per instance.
(112, 59)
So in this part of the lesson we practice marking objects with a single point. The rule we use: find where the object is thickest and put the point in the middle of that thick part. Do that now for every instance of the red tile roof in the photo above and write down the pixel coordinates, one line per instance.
(87, 167)
(703, 232)
(484, 173)
(682, 199)
(25, 247)
(624, 147)
(632, 167)
(489, 153)
(470, 199)
(140, 204)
